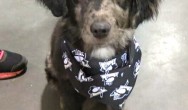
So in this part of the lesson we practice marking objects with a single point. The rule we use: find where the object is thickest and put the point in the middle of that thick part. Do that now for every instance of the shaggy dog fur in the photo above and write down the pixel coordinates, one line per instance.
(77, 18)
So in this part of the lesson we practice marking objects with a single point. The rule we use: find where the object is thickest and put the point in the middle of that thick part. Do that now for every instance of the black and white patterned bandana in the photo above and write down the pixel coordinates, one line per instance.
(108, 81)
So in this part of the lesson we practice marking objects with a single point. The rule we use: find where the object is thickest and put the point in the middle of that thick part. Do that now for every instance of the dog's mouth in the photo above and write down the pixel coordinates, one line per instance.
(104, 48)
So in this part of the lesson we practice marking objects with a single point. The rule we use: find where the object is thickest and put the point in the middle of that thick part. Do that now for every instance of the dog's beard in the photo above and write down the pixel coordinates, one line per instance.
(108, 47)
(105, 52)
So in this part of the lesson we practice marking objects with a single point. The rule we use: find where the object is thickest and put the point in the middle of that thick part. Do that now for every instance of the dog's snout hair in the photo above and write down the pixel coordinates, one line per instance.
(116, 34)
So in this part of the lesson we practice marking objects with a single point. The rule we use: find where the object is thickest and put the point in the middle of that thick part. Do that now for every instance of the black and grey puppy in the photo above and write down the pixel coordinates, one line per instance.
(100, 28)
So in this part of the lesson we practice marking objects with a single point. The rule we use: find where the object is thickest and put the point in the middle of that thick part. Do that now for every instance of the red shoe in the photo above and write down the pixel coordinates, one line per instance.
(11, 64)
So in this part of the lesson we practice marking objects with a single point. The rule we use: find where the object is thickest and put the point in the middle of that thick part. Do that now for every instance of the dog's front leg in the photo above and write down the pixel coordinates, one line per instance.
(70, 99)
(90, 104)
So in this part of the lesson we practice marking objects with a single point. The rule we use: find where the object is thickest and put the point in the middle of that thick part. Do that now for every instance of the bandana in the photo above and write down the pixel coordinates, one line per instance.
(108, 81)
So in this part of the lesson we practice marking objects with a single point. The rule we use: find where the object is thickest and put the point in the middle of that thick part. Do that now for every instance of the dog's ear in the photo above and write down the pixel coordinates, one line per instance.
(142, 10)
(57, 7)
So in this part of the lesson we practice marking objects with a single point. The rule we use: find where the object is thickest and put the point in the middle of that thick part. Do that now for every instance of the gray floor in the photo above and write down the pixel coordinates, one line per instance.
(25, 27)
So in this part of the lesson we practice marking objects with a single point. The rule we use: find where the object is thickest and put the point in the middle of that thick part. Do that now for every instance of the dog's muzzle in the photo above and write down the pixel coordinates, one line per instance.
(108, 81)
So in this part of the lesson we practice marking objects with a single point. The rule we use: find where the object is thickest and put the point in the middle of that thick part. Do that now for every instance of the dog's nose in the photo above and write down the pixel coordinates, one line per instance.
(100, 29)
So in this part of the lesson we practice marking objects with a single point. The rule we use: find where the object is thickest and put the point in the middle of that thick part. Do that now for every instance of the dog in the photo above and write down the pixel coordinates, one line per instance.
(100, 28)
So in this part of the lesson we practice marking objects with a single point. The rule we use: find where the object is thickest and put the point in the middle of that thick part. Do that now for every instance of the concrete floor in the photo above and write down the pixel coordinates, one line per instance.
(25, 27)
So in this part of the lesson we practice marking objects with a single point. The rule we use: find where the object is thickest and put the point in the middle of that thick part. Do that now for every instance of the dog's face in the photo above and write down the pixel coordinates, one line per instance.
(103, 22)
(105, 26)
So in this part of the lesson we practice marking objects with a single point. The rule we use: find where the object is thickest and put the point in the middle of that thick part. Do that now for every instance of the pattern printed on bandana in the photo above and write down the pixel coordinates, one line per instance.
(67, 63)
(121, 105)
(95, 91)
(137, 46)
(80, 57)
(136, 68)
(121, 92)
(82, 78)
(109, 81)
(108, 65)
(124, 59)
(76, 90)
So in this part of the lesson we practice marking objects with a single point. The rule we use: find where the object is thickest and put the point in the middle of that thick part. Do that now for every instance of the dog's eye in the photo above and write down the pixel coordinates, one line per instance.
(123, 3)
